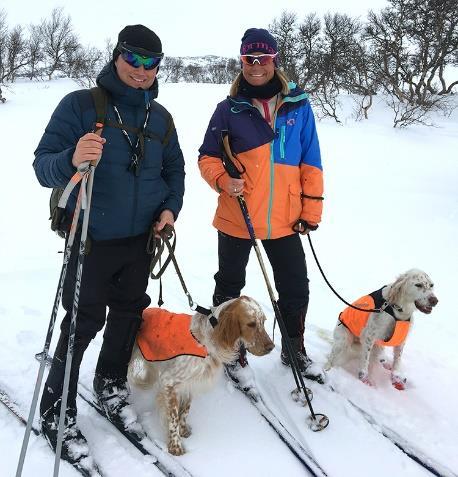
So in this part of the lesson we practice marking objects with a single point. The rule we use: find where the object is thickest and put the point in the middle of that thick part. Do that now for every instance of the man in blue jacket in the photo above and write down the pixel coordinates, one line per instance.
(138, 184)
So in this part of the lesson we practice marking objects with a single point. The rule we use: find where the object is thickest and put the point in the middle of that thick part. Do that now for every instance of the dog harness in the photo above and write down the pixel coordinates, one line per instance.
(165, 335)
(355, 320)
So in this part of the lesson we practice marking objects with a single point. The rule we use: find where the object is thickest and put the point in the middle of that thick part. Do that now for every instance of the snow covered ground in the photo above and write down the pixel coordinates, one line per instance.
(391, 204)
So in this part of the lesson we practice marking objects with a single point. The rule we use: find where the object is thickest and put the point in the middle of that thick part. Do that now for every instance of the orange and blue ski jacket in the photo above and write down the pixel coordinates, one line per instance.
(355, 320)
(282, 165)
(165, 335)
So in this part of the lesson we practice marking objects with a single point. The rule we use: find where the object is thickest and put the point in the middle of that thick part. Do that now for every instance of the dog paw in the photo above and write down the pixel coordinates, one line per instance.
(175, 448)
(364, 378)
(185, 431)
(386, 364)
(398, 382)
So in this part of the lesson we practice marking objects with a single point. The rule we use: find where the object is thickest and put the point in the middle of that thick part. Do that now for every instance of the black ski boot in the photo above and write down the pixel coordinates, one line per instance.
(307, 367)
(110, 381)
(112, 393)
(75, 448)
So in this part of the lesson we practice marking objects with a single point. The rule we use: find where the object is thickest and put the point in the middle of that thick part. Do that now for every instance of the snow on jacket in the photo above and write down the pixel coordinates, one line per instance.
(165, 335)
(283, 172)
(355, 320)
(123, 204)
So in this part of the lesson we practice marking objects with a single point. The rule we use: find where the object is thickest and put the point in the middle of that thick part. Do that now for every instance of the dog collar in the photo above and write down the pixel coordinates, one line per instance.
(390, 308)
(208, 313)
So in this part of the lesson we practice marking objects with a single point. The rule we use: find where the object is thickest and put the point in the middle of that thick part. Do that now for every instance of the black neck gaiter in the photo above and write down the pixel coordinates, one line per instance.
(265, 91)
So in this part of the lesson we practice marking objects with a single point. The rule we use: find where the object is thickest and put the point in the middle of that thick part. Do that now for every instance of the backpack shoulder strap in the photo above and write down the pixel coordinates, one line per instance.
(170, 129)
(170, 126)
(100, 98)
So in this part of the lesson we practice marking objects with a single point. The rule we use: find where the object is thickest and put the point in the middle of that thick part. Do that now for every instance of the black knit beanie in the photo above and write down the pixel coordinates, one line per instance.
(258, 39)
(139, 39)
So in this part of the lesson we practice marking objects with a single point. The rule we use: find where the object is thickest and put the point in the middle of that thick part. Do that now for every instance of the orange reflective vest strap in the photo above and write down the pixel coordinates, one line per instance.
(165, 335)
(400, 333)
(355, 320)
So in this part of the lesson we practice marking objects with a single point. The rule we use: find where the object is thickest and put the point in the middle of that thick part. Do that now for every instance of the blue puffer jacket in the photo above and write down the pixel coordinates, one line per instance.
(123, 204)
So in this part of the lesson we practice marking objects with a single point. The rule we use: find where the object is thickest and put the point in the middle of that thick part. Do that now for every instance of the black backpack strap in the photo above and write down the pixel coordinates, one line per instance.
(170, 129)
(100, 98)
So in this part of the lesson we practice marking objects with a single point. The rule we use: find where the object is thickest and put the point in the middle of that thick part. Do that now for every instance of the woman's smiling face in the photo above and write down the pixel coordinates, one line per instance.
(256, 74)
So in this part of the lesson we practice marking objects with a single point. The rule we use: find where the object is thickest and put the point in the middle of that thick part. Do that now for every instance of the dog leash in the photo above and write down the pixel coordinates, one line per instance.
(165, 235)
(367, 310)
(155, 248)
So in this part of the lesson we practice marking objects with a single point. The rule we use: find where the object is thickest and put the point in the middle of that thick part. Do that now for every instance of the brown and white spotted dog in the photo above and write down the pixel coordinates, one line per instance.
(411, 291)
(240, 320)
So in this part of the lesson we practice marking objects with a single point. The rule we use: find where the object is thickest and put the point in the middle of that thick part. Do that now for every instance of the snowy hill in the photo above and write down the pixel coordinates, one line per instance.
(391, 204)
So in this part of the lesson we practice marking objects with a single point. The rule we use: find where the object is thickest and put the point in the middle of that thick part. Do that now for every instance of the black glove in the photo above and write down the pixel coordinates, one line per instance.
(303, 227)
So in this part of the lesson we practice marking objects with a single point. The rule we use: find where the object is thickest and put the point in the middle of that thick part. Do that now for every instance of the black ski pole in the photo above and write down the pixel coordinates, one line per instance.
(48, 338)
(84, 171)
(86, 188)
(88, 169)
(315, 424)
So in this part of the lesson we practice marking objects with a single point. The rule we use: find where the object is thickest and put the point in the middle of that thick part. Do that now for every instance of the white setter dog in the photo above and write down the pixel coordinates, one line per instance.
(240, 320)
(411, 291)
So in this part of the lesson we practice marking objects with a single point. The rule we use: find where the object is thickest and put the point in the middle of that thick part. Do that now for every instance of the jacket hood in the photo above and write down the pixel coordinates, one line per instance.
(108, 78)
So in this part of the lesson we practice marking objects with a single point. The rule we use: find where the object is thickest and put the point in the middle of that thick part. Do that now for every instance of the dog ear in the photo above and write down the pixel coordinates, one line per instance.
(397, 289)
(228, 330)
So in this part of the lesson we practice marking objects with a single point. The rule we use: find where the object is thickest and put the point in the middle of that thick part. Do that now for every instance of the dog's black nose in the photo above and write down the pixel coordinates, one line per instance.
(433, 301)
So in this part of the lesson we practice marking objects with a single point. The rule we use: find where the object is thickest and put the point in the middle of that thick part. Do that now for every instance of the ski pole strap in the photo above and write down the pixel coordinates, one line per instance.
(82, 169)
(72, 183)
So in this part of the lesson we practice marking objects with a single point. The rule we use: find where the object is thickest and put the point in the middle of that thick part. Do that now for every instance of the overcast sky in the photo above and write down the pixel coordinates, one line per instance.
(187, 27)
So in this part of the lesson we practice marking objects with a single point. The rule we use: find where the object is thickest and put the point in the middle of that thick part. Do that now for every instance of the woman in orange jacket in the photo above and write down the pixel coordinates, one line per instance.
(273, 136)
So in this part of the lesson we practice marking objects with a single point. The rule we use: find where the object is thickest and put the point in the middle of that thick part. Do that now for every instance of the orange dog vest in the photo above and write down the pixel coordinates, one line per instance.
(355, 320)
(165, 335)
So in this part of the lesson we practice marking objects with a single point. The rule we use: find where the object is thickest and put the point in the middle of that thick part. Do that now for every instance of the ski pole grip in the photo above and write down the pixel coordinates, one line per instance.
(97, 128)
(228, 158)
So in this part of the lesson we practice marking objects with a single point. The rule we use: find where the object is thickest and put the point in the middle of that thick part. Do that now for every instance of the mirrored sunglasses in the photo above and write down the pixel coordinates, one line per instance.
(259, 59)
(136, 60)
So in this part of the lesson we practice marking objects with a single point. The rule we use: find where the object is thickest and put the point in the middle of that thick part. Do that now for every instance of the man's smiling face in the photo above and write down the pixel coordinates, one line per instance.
(135, 77)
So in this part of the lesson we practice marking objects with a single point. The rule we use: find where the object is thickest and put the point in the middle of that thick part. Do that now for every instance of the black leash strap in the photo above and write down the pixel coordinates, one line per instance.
(367, 310)
(165, 234)
(155, 247)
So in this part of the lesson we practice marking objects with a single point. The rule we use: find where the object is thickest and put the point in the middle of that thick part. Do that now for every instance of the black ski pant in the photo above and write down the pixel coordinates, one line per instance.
(287, 259)
(115, 275)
